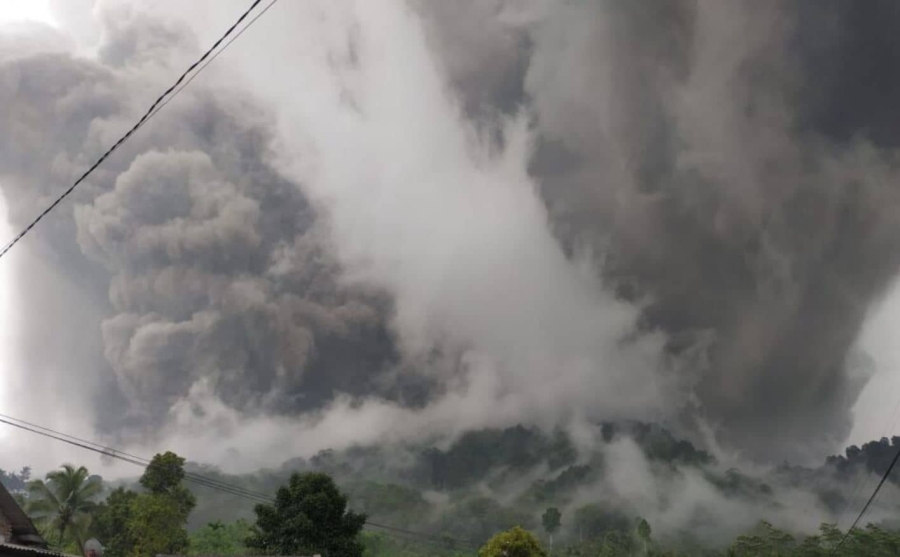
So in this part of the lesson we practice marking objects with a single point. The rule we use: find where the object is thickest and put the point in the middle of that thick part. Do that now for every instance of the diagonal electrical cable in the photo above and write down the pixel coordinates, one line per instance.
(138, 462)
(157, 106)
(884, 478)
(436, 539)
(436, 542)
(141, 461)
(206, 481)
(147, 115)
(862, 483)
(211, 60)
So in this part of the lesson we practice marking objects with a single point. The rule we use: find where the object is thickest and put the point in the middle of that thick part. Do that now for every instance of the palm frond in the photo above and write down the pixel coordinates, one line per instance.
(38, 490)
(62, 503)
(91, 489)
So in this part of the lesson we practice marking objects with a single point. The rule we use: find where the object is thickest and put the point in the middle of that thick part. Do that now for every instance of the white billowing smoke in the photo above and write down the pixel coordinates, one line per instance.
(232, 298)
(449, 221)
(685, 500)
(683, 150)
(427, 194)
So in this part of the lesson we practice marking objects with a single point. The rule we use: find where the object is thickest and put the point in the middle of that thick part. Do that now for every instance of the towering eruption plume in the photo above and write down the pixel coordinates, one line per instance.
(437, 216)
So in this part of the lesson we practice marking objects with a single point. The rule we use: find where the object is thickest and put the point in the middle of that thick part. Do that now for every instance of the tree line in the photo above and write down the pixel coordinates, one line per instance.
(311, 514)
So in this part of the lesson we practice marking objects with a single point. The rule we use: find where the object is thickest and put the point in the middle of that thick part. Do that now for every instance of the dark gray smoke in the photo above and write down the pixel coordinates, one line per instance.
(438, 216)
(209, 265)
(735, 163)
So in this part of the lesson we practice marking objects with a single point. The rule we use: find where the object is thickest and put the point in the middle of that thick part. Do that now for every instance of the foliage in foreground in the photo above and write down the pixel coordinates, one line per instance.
(871, 541)
(61, 503)
(310, 516)
(218, 538)
(515, 542)
(377, 544)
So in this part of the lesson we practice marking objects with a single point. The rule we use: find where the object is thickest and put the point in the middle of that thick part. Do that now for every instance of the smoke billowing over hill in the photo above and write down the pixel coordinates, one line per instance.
(418, 219)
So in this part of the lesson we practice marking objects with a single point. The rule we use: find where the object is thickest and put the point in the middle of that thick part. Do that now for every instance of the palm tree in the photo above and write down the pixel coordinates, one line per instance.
(64, 500)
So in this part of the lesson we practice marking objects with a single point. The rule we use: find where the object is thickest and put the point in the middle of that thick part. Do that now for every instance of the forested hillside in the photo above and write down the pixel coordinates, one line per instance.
(487, 481)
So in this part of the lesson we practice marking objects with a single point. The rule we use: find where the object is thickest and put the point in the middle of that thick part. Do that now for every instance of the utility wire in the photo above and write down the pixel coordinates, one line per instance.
(212, 59)
(157, 106)
(434, 543)
(206, 481)
(435, 539)
(154, 108)
(134, 459)
(862, 482)
(194, 478)
(884, 478)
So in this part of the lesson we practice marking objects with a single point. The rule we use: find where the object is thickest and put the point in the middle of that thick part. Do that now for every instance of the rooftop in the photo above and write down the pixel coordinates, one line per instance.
(23, 528)
(213, 555)
(15, 550)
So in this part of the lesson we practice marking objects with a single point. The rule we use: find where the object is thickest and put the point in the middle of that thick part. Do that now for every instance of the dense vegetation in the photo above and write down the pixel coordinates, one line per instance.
(454, 498)
(309, 516)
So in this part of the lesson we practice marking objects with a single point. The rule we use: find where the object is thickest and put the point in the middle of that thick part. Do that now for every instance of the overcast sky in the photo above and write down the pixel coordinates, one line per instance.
(323, 241)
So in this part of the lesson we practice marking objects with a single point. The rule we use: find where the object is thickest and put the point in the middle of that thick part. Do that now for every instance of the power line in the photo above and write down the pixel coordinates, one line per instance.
(195, 478)
(205, 481)
(74, 441)
(213, 58)
(435, 539)
(115, 453)
(157, 106)
(154, 108)
(884, 478)
(862, 482)
(443, 544)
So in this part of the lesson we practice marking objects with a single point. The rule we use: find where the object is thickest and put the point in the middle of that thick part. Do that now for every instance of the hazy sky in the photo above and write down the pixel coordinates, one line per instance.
(324, 241)
(23, 10)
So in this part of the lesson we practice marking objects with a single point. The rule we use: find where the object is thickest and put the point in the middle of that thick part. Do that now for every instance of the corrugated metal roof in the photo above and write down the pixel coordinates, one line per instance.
(213, 555)
(27, 551)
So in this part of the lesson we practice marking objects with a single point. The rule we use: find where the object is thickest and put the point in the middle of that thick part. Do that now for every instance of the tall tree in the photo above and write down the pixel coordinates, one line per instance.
(642, 530)
(156, 519)
(157, 526)
(164, 476)
(64, 499)
(551, 522)
(309, 516)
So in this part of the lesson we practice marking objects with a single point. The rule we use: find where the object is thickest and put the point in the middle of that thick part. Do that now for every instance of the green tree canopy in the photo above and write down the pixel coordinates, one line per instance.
(157, 526)
(63, 501)
(516, 542)
(309, 516)
(164, 476)
(156, 519)
(592, 522)
(642, 532)
(111, 523)
(616, 544)
(147, 524)
(218, 538)
(551, 520)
